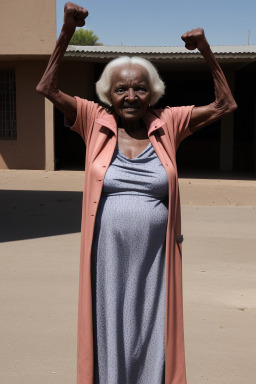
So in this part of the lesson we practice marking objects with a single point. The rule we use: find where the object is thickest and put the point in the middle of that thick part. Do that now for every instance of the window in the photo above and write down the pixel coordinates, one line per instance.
(7, 104)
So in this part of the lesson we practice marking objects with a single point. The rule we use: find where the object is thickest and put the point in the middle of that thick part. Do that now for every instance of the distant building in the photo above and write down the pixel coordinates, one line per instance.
(32, 133)
(28, 35)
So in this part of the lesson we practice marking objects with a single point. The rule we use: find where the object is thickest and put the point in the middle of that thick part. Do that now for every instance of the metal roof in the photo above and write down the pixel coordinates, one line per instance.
(106, 51)
(161, 49)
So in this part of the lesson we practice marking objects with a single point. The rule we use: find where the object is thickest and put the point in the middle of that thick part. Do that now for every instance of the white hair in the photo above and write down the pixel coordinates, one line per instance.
(103, 85)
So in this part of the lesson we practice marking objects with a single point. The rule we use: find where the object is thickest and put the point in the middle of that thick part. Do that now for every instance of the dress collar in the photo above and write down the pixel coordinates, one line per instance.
(109, 121)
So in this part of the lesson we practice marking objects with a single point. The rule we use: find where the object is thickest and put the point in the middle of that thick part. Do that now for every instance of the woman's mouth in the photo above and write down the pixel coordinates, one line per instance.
(131, 108)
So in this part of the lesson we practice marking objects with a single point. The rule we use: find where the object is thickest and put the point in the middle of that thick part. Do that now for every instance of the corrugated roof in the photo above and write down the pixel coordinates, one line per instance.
(224, 53)
(161, 49)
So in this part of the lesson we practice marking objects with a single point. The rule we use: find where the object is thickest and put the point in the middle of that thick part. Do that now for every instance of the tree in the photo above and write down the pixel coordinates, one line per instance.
(84, 37)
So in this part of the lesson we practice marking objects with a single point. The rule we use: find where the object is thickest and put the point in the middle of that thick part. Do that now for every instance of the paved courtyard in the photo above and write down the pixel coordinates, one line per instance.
(39, 256)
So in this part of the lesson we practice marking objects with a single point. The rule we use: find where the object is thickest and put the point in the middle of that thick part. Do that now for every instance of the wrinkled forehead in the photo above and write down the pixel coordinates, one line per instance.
(129, 73)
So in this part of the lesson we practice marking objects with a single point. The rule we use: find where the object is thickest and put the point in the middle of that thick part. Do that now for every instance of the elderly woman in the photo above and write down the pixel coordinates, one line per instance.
(130, 318)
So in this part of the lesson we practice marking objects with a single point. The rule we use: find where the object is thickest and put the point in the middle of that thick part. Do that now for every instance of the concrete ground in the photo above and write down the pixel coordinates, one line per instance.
(39, 255)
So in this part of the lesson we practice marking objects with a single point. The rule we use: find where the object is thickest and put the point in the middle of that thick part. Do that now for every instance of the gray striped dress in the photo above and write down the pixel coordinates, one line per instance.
(128, 271)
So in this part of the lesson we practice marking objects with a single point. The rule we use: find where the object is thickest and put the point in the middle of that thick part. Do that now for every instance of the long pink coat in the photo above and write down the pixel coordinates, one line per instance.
(166, 129)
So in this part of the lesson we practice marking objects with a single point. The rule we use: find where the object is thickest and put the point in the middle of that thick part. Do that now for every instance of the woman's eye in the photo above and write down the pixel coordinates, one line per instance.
(120, 90)
(142, 89)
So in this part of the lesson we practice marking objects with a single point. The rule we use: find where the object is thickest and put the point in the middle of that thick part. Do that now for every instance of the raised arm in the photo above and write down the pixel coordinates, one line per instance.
(74, 16)
(224, 102)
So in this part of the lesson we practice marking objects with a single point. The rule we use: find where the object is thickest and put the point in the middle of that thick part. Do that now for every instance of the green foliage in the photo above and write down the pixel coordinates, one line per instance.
(84, 37)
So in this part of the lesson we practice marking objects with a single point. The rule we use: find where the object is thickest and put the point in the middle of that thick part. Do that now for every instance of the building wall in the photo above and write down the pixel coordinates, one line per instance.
(245, 120)
(28, 36)
(76, 79)
(34, 146)
(28, 150)
(27, 27)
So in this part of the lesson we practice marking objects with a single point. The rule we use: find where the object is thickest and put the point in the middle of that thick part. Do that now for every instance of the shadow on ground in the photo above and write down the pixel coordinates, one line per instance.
(33, 214)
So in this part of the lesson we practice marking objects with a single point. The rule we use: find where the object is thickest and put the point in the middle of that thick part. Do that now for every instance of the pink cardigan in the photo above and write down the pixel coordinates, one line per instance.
(166, 129)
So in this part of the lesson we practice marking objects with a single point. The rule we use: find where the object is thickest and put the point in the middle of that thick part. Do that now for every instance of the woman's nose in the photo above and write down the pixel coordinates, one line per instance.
(130, 95)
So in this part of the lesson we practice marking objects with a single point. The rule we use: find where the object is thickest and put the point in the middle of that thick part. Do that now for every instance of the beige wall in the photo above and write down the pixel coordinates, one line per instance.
(34, 147)
(27, 27)
(28, 151)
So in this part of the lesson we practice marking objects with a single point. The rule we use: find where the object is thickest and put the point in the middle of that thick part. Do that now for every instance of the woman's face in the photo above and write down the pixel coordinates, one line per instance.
(130, 92)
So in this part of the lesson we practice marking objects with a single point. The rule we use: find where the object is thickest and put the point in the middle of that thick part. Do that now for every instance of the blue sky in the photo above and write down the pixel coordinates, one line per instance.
(162, 22)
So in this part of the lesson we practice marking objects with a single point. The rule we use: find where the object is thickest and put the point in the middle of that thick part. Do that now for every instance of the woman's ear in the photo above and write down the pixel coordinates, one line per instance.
(110, 102)
(109, 98)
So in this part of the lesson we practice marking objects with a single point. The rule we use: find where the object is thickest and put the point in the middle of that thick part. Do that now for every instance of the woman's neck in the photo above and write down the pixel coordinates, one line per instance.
(133, 128)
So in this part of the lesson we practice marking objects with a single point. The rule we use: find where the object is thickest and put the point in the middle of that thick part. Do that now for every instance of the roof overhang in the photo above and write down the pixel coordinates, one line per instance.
(230, 53)
(19, 57)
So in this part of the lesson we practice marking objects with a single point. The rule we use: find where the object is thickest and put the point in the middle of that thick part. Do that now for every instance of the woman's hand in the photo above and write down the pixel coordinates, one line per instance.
(74, 16)
(195, 39)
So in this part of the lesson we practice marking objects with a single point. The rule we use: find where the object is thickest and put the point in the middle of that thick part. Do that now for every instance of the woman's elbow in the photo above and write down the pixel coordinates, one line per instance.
(41, 89)
(225, 108)
(234, 106)
(231, 107)
(46, 89)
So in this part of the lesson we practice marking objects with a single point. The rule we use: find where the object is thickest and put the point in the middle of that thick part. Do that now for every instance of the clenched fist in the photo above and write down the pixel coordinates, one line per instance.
(195, 39)
(74, 16)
